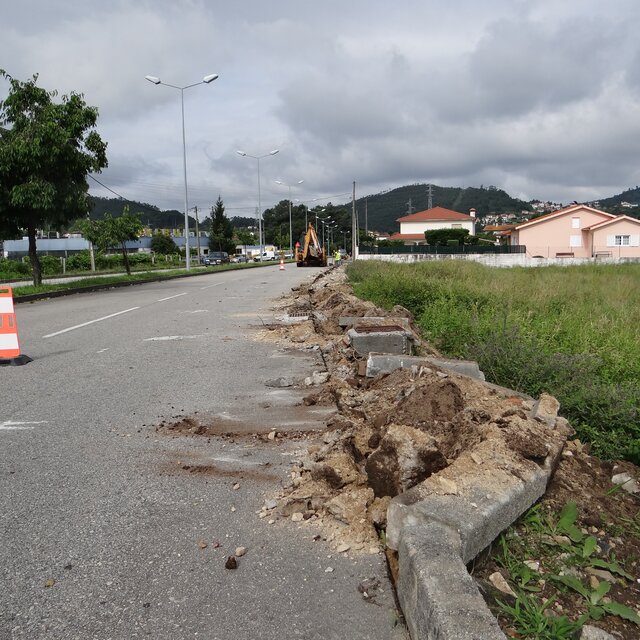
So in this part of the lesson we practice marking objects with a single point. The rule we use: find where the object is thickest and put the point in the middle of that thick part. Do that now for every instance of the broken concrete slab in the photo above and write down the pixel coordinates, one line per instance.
(378, 363)
(381, 339)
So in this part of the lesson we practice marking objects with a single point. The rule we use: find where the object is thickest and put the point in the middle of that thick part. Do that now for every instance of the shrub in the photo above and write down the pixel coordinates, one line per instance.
(11, 268)
(79, 261)
(50, 265)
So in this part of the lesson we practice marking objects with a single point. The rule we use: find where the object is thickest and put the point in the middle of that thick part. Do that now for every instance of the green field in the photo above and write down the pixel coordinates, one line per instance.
(571, 331)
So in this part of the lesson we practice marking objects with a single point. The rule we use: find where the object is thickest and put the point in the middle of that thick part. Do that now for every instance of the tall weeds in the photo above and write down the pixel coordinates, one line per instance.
(571, 331)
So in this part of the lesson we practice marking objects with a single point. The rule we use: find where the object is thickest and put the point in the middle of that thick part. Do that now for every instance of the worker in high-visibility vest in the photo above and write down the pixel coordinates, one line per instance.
(338, 258)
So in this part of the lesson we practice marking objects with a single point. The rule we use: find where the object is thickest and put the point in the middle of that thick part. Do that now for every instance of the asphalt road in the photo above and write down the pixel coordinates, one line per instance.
(101, 525)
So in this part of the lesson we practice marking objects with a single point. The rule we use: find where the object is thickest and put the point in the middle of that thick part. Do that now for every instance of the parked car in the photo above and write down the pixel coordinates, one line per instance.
(216, 257)
(240, 259)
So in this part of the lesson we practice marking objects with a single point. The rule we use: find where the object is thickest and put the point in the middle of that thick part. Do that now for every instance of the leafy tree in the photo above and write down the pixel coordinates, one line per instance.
(113, 232)
(46, 151)
(163, 244)
(442, 237)
(245, 237)
(221, 233)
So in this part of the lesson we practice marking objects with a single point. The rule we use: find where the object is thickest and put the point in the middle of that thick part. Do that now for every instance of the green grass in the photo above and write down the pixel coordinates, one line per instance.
(571, 331)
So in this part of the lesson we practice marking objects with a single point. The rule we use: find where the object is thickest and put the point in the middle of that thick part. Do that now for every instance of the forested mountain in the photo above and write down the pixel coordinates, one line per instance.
(383, 209)
(150, 215)
(614, 203)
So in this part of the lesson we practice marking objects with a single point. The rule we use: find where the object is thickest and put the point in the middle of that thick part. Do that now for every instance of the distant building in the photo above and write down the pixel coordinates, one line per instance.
(412, 227)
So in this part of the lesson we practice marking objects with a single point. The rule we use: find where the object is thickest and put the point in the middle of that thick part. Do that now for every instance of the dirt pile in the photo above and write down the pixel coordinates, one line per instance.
(395, 431)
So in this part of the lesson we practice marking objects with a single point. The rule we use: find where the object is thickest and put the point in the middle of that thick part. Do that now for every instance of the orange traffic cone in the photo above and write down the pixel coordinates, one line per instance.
(281, 264)
(9, 348)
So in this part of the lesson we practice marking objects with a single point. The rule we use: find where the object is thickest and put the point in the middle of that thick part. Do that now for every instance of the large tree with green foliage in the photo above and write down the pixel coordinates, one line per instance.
(46, 151)
(110, 233)
(221, 230)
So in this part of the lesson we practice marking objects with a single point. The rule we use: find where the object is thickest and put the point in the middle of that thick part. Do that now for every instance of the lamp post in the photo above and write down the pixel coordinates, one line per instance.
(290, 225)
(205, 80)
(317, 212)
(258, 158)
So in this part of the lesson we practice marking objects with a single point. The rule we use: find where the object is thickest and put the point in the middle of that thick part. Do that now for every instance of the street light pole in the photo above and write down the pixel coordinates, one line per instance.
(290, 225)
(205, 80)
(260, 225)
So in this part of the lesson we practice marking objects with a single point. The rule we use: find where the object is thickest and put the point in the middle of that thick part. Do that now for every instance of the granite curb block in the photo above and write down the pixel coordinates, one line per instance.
(378, 363)
(438, 535)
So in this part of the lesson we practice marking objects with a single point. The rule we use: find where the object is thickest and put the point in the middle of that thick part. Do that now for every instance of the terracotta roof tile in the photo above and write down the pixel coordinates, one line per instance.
(436, 213)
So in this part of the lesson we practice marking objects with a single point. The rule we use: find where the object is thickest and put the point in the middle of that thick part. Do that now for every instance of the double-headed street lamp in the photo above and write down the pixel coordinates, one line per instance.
(258, 158)
(290, 225)
(205, 80)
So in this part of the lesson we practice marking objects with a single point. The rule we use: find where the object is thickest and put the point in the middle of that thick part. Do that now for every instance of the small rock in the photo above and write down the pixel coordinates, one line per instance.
(590, 632)
(240, 551)
(271, 522)
(594, 583)
(317, 378)
(280, 382)
(272, 435)
(342, 548)
(49, 583)
(263, 514)
(449, 486)
(297, 517)
(236, 486)
(601, 573)
(270, 504)
(233, 509)
(202, 544)
(329, 570)
(534, 565)
(231, 563)
(627, 482)
(476, 458)
(498, 581)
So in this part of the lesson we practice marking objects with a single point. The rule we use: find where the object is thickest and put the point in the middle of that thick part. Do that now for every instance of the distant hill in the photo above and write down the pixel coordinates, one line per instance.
(614, 203)
(153, 217)
(383, 209)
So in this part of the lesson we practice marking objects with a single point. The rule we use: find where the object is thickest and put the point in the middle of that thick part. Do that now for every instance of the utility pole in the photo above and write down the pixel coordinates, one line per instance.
(366, 216)
(410, 208)
(354, 225)
(197, 232)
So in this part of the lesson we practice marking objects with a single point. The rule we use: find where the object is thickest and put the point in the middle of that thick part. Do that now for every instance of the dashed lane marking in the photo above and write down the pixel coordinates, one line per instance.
(84, 324)
(172, 297)
(10, 425)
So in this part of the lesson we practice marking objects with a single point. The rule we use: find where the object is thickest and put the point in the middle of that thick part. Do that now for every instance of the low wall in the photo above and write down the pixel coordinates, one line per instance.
(494, 260)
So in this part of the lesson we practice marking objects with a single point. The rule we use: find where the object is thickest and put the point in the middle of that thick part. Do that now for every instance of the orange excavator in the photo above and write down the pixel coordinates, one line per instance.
(312, 255)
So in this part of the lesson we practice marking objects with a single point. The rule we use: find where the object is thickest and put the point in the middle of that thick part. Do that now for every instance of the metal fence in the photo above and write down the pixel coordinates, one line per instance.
(445, 250)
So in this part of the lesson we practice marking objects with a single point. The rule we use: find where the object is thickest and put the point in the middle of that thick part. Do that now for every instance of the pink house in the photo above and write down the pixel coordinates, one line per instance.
(579, 231)
(412, 227)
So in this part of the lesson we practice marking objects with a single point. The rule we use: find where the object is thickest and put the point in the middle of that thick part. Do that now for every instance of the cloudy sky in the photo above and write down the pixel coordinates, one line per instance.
(538, 97)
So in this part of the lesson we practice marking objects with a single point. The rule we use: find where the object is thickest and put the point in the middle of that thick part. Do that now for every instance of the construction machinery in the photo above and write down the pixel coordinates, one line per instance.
(312, 254)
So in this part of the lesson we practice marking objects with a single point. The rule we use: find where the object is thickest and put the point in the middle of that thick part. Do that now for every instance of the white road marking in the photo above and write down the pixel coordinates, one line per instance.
(84, 324)
(164, 338)
(217, 284)
(10, 425)
(172, 297)
(103, 350)
(196, 311)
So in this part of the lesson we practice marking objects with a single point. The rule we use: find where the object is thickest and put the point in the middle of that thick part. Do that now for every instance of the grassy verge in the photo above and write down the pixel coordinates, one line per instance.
(143, 276)
(571, 331)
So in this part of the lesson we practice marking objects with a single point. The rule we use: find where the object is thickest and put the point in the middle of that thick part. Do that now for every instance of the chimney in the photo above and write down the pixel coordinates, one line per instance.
(472, 213)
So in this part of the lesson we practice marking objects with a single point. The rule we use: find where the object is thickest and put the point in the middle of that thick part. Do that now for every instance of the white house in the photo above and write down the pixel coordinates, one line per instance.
(412, 227)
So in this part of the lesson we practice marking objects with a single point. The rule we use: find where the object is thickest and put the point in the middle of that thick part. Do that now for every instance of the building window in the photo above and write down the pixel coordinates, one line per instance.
(622, 241)
(575, 223)
(456, 225)
(575, 241)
